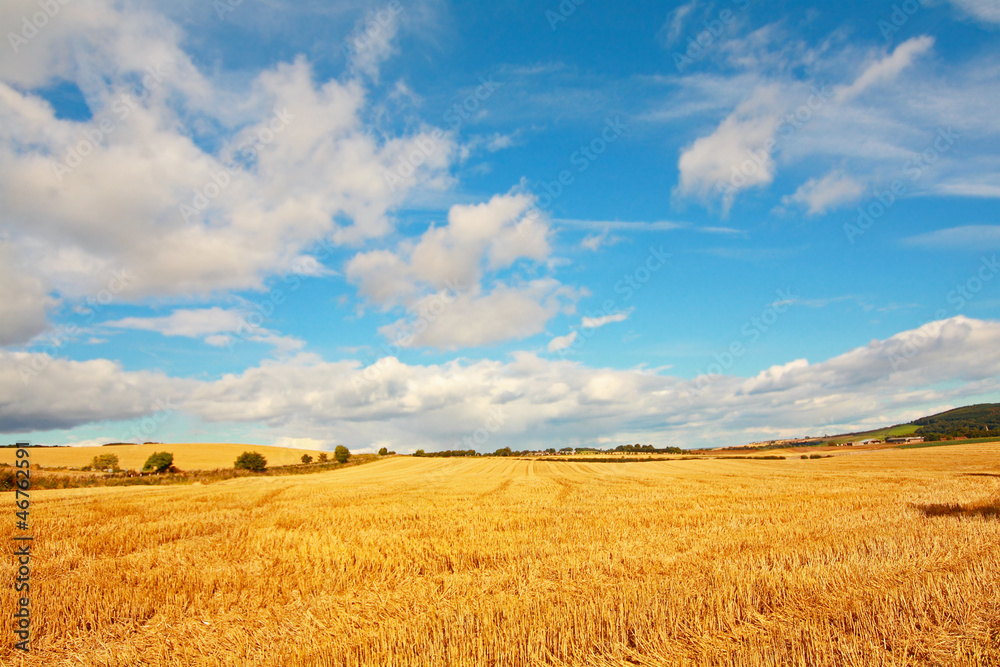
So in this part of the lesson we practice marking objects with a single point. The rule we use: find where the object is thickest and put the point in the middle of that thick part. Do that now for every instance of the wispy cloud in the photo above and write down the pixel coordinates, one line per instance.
(887, 68)
(968, 237)
(819, 195)
(641, 227)
(596, 322)
(562, 342)
(987, 11)
(215, 326)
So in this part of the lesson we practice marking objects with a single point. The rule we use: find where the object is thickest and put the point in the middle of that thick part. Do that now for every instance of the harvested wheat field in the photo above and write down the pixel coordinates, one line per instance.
(187, 456)
(882, 558)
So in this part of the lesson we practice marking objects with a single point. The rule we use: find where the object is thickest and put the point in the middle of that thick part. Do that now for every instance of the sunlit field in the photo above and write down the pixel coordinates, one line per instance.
(879, 558)
(187, 456)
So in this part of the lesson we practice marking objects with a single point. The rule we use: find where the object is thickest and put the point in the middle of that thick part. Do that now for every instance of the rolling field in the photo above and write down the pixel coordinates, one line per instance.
(879, 434)
(878, 558)
(187, 456)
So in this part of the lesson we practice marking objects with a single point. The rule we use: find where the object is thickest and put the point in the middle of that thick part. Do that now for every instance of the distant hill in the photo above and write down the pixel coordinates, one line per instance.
(973, 421)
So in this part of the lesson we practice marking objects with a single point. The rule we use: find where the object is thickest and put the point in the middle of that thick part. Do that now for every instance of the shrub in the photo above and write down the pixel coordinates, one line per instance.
(383, 452)
(805, 456)
(323, 457)
(158, 462)
(341, 454)
(307, 459)
(105, 461)
(7, 480)
(250, 461)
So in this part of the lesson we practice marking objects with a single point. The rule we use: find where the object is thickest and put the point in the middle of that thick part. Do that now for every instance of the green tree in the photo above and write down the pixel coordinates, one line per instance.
(250, 461)
(158, 462)
(105, 461)
(419, 452)
(341, 454)
(323, 457)
(307, 459)
(383, 452)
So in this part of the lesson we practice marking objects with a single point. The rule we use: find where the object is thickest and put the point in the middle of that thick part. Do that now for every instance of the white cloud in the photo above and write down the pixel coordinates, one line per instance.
(480, 237)
(189, 323)
(372, 41)
(594, 242)
(672, 29)
(968, 237)
(39, 392)
(498, 142)
(781, 120)
(439, 278)
(596, 322)
(216, 326)
(950, 362)
(471, 319)
(737, 155)
(983, 10)
(887, 68)
(818, 196)
(117, 201)
(619, 225)
(562, 342)
(986, 186)
(23, 301)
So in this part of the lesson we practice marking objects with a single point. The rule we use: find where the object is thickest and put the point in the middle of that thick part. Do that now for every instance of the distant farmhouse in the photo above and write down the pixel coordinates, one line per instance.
(904, 440)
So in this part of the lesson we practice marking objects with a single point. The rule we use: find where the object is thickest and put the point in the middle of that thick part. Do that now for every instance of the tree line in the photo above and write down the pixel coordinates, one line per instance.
(507, 451)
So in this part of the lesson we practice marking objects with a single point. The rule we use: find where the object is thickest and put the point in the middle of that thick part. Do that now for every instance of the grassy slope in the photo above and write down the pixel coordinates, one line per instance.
(945, 443)
(880, 434)
(187, 456)
(984, 413)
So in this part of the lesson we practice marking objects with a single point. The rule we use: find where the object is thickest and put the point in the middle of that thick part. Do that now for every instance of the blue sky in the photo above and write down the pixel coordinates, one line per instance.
(429, 224)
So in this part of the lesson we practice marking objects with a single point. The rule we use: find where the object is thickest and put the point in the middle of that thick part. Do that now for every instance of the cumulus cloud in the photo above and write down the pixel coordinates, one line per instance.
(439, 279)
(948, 362)
(292, 164)
(470, 319)
(23, 301)
(819, 195)
(39, 392)
(479, 237)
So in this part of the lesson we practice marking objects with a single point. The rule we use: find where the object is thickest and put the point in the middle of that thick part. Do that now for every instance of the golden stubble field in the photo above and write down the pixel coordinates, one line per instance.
(187, 456)
(515, 562)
